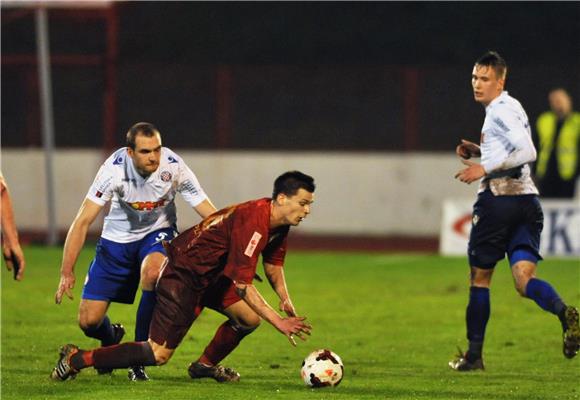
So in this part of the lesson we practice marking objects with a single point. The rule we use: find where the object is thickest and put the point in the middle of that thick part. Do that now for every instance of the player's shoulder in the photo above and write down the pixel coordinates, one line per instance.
(254, 207)
(505, 107)
(118, 158)
(116, 162)
(170, 158)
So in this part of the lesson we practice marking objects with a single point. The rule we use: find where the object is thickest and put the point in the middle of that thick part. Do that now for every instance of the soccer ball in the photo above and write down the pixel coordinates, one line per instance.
(322, 368)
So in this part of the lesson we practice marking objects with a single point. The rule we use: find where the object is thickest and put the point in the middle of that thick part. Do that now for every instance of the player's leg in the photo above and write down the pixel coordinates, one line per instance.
(242, 321)
(95, 323)
(523, 262)
(72, 359)
(152, 256)
(104, 283)
(485, 249)
(178, 306)
(524, 255)
(478, 312)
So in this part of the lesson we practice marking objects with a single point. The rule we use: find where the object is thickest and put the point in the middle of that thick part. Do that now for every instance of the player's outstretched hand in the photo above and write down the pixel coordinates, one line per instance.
(65, 286)
(295, 326)
(467, 149)
(287, 307)
(473, 172)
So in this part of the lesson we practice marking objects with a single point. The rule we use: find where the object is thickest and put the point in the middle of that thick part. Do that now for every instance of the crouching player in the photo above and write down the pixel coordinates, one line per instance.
(212, 265)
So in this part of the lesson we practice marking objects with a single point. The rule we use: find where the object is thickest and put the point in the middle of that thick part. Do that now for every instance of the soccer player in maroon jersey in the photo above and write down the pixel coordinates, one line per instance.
(212, 265)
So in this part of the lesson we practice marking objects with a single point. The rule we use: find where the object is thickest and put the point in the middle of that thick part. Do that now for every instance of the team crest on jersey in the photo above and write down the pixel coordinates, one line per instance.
(253, 244)
(165, 176)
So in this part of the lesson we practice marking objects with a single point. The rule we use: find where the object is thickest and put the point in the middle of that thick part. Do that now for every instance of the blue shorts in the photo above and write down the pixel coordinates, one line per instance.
(504, 224)
(115, 271)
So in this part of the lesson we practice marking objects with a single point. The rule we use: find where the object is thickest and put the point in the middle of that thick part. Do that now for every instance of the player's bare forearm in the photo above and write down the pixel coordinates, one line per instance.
(287, 326)
(277, 279)
(254, 299)
(205, 208)
(75, 239)
(12, 252)
(74, 242)
(9, 231)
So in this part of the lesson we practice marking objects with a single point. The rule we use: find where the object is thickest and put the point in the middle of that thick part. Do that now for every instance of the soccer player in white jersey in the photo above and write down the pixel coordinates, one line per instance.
(507, 216)
(140, 181)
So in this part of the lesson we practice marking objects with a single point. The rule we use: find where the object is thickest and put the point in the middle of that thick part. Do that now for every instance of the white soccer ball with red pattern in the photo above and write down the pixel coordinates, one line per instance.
(322, 368)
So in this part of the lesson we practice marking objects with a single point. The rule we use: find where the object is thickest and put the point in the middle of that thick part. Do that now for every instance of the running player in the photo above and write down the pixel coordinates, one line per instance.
(507, 216)
(140, 181)
(212, 265)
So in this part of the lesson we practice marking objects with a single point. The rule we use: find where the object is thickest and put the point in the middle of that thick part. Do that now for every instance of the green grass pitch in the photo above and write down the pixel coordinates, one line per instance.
(395, 320)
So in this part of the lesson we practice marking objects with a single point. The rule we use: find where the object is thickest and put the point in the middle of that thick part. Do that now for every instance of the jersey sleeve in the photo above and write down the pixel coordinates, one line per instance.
(246, 242)
(275, 252)
(101, 191)
(509, 126)
(189, 186)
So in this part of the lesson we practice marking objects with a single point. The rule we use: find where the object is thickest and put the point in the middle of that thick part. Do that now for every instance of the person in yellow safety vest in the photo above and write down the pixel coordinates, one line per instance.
(558, 145)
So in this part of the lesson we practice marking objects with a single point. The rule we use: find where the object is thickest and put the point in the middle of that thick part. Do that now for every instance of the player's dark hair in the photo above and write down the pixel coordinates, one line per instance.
(495, 61)
(290, 182)
(143, 128)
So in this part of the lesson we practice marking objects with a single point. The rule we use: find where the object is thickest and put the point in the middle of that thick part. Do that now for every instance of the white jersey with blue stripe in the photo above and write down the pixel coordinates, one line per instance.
(142, 205)
(507, 148)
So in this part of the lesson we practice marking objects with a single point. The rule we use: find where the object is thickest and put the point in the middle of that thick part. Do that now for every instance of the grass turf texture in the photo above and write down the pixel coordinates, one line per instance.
(394, 319)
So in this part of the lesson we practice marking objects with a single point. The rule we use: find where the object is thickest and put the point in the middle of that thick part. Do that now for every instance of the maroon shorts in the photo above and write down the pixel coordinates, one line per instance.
(178, 305)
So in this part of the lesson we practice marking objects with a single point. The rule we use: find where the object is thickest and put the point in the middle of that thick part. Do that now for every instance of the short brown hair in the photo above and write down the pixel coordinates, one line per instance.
(495, 61)
(143, 128)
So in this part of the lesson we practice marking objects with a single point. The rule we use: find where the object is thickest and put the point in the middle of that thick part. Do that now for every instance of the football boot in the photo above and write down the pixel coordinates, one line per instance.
(218, 372)
(63, 369)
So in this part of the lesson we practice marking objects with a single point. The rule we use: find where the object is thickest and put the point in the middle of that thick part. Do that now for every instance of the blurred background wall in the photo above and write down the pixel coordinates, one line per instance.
(355, 91)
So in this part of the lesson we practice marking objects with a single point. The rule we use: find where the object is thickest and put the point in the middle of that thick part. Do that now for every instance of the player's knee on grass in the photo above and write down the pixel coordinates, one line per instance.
(162, 354)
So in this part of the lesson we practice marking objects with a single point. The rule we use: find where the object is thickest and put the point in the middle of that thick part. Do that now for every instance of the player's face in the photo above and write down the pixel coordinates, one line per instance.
(146, 155)
(486, 85)
(295, 208)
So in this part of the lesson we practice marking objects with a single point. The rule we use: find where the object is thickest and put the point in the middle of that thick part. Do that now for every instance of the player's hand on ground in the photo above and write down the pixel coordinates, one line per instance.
(65, 286)
(14, 259)
(295, 326)
(473, 172)
(287, 307)
(467, 149)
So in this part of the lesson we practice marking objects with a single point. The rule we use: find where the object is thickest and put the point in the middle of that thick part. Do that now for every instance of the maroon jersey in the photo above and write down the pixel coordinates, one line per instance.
(229, 243)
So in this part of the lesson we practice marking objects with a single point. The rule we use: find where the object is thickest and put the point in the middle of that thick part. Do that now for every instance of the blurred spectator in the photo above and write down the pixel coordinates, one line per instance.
(13, 255)
(558, 142)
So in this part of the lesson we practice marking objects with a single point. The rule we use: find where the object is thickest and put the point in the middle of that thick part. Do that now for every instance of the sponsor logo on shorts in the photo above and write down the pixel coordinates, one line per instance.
(475, 219)
(166, 176)
(253, 244)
